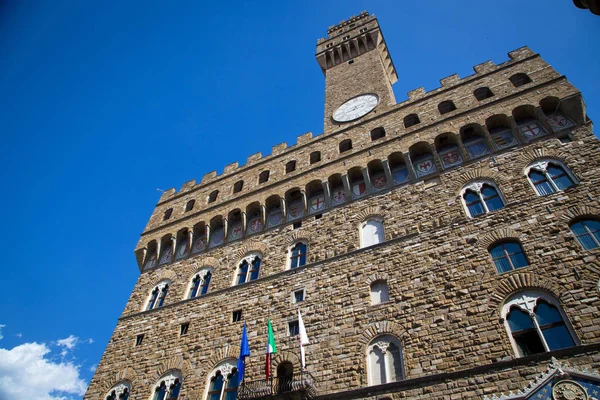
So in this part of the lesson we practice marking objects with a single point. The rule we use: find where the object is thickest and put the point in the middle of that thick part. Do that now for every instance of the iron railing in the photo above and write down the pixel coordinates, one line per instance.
(300, 385)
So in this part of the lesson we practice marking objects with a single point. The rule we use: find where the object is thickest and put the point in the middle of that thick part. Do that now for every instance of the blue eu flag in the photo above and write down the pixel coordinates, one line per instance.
(244, 352)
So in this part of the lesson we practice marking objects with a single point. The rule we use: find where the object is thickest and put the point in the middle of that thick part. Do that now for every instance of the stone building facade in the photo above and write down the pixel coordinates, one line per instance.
(444, 247)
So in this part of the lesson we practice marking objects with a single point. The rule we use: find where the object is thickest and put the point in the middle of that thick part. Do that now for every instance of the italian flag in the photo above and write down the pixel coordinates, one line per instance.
(271, 348)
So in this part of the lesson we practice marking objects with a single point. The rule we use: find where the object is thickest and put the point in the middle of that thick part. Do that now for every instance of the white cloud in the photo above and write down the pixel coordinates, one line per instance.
(93, 368)
(19, 335)
(1, 326)
(90, 341)
(67, 344)
(26, 373)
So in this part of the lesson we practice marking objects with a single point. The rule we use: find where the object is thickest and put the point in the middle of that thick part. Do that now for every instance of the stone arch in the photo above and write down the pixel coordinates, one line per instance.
(378, 329)
(201, 263)
(162, 275)
(249, 248)
(478, 174)
(222, 354)
(298, 236)
(370, 212)
(527, 157)
(378, 276)
(520, 281)
(501, 234)
(574, 213)
(173, 364)
(286, 356)
(126, 375)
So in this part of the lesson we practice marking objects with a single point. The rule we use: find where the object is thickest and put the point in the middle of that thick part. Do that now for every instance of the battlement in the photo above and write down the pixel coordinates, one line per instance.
(417, 94)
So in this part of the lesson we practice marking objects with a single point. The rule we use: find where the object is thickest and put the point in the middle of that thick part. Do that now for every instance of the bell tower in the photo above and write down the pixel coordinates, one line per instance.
(358, 69)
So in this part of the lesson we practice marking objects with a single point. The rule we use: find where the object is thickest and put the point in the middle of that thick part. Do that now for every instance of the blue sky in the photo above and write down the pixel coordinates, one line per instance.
(101, 103)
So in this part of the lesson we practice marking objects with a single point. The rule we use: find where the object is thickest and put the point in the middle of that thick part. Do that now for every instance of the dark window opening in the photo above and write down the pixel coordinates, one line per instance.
(351, 62)
(167, 214)
(315, 157)
(565, 139)
(411, 120)
(236, 316)
(297, 225)
(345, 145)
(190, 205)
(293, 328)
(237, 187)
(212, 197)
(290, 166)
(377, 133)
(520, 79)
(263, 177)
(483, 93)
(139, 339)
(183, 329)
(299, 296)
(318, 216)
(446, 106)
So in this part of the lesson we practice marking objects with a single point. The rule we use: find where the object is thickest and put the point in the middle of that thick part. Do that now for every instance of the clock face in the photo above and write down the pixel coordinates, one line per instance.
(356, 107)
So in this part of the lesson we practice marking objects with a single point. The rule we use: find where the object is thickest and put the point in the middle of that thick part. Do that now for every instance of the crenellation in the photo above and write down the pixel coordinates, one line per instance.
(485, 67)
(278, 149)
(189, 185)
(253, 159)
(229, 168)
(304, 138)
(167, 194)
(450, 80)
(417, 93)
(209, 176)
(521, 53)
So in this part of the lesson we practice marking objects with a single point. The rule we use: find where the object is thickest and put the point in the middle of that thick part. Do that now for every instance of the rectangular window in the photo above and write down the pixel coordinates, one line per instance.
(184, 329)
(293, 328)
(236, 316)
(318, 216)
(297, 225)
(298, 296)
(565, 139)
(139, 339)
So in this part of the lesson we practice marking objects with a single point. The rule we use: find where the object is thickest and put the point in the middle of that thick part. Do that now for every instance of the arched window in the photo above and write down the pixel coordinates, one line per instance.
(190, 205)
(290, 166)
(168, 387)
(157, 296)
(483, 93)
(119, 392)
(315, 157)
(481, 197)
(212, 197)
(263, 176)
(223, 381)
(371, 232)
(548, 177)
(411, 120)
(446, 106)
(297, 255)
(377, 133)
(379, 292)
(536, 323)
(167, 214)
(587, 233)
(508, 256)
(519, 79)
(285, 377)
(248, 269)
(238, 186)
(200, 283)
(384, 360)
(345, 145)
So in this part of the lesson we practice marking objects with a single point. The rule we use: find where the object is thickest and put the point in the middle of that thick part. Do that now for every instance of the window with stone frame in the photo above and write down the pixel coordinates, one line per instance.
(297, 255)
(587, 233)
(481, 197)
(446, 106)
(264, 176)
(248, 269)
(536, 323)
(290, 166)
(519, 79)
(120, 391)
(315, 157)
(223, 381)
(200, 282)
(345, 145)
(212, 197)
(238, 186)
(371, 232)
(158, 295)
(379, 292)
(167, 214)
(189, 206)
(549, 176)
(411, 120)
(168, 387)
(384, 360)
(483, 93)
(508, 255)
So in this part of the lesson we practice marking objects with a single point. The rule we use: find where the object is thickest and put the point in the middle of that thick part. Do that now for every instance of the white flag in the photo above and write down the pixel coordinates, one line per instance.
(303, 338)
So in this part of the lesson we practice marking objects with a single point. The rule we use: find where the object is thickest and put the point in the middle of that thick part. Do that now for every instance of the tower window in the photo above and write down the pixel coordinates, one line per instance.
(212, 197)
(290, 166)
(293, 328)
(167, 214)
(315, 157)
(297, 255)
(446, 106)
(377, 133)
(298, 296)
(384, 360)
(519, 79)
(183, 329)
(379, 292)
(237, 187)
(190, 205)
(587, 233)
(508, 256)
(481, 198)
(548, 177)
(483, 93)
(158, 295)
(345, 145)
(371, 232)
(139, 339)
(411, 120)
(264, 176)
(236, 316)
(248, 270)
